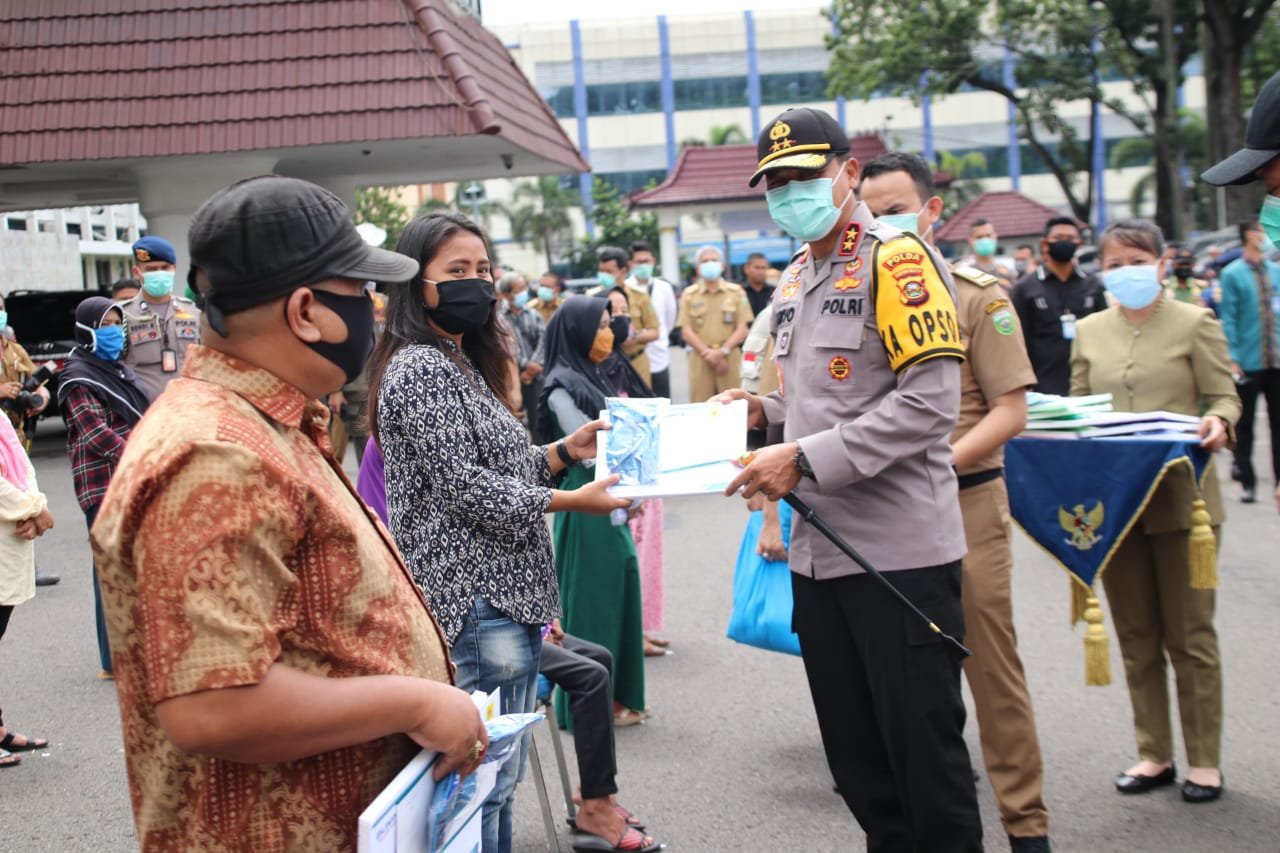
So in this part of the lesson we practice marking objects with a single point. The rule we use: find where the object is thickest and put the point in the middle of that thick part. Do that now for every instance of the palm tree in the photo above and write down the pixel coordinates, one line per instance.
(482, 210)
(1140, 151)
(541, 214)
(964, 170)
(729, 134)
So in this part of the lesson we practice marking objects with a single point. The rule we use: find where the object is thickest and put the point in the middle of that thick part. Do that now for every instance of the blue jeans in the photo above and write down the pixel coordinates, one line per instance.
(99, 618)
(494, 651)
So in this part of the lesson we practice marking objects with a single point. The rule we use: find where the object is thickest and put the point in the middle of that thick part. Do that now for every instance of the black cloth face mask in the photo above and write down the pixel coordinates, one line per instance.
(1062, 250)
(621, 327)
(349, 355)
(465, 304)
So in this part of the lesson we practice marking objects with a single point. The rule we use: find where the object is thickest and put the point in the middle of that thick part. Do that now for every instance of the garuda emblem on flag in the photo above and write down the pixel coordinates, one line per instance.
(1082, 527)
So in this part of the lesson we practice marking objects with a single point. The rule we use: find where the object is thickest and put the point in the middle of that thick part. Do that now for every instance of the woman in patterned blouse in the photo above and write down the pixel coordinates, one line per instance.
(466, 491)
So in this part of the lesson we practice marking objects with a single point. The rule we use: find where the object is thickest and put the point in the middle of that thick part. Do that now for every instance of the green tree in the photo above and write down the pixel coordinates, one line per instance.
(964, 170)
(376, 205)
(726, 134)
(616, 224)
(1241, 50)
(481, 210)
(540, 215)
(1140, 151)
(938, 47)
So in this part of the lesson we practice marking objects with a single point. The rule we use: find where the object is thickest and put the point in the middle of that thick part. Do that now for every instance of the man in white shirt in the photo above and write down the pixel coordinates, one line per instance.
(663, 296)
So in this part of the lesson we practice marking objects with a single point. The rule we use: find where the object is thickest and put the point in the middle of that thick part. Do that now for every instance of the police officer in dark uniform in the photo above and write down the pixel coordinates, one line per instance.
(869, 351)
(160, 326)
(1050, 301)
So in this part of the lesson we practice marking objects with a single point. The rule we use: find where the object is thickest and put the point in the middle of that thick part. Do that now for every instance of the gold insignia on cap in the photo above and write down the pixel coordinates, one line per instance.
(780, 129)
(142, 255)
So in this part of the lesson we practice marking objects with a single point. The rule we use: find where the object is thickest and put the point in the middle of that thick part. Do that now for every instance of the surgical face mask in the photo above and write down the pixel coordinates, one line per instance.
(804, 208)
(907, 222)
(984, 247)
(606, 279)
(351, 353)
(108, 341)
(521, 299)
(1020, 267)
(643, 272)
(1133, 287)
(621, 327)
(1062, 250)
(157, 283)
(710, 270)
(464, 306)
(1269, 217)
(546, 294)
(601, 346)
(4, 319)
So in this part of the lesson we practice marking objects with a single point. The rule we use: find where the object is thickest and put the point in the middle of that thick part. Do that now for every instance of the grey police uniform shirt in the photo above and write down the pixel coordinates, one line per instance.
(878, 440)
(150, 329)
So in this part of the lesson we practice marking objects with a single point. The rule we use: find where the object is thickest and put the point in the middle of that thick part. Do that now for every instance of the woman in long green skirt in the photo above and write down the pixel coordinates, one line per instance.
(595, 559)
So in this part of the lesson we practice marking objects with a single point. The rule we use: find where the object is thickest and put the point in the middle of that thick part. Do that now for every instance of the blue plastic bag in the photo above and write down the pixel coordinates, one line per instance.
(762, 602)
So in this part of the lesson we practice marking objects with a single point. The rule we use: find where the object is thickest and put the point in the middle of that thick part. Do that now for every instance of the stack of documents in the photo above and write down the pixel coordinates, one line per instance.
(1051, 416)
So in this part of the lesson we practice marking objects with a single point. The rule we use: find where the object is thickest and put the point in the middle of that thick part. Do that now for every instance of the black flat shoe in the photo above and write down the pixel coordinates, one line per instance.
(1137, 784)
(1193, 793)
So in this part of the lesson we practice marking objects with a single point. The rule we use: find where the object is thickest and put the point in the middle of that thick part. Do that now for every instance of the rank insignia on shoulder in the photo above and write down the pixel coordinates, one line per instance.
(849, 242)
(791, 288)
(996, 304)
(839, 368)
(973, 275)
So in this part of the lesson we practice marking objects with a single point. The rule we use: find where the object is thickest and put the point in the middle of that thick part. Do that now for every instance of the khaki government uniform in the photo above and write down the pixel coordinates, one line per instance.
(547, 309)
(713, 315)
(16, 366)
(996, 363)
(643, 318)
(152, 329)
(1175, 361)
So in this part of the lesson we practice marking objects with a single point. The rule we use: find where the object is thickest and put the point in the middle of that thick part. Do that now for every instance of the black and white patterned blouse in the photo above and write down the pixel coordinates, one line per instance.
(466, 492)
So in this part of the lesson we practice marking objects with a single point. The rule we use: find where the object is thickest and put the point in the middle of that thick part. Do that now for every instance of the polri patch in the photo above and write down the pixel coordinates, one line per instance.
(839, 368)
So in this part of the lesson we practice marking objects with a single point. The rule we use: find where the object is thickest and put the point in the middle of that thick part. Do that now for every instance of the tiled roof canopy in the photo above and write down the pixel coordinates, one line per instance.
(1011, 213)
(719, 173)
(84, 80)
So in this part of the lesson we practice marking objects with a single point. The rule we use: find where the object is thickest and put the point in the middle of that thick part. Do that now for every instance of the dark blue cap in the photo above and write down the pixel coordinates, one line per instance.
(154, 249)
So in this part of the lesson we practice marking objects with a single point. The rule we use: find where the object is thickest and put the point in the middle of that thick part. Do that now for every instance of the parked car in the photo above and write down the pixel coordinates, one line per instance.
(44, 322)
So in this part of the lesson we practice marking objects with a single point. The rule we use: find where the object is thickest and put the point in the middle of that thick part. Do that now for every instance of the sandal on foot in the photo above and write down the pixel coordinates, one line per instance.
(653, 650)
(628, 717)
(32, 743)
(627, 817)
(631, 841)
(8, 759)
(660, 642)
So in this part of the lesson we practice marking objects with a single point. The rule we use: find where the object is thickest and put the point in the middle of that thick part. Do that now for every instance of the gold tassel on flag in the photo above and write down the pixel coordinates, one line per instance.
(1079, 595)
(1204, 549)
(1097, 657)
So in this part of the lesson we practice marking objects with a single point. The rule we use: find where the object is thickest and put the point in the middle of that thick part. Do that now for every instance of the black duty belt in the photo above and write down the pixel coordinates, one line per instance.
(968, 481)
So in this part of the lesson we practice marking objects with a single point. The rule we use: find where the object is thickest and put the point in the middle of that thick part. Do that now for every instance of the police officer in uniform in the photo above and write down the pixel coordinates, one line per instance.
(899, 190)
(869, 351)
(714, 319)
(160, 325)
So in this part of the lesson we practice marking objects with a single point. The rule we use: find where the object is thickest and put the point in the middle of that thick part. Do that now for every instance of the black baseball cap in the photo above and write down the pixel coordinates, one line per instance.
(800, 138)
(264, 237)
(1261, 141)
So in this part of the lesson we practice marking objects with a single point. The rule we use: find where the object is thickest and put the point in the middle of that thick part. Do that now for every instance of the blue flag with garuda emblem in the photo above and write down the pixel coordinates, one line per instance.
(1078, 497)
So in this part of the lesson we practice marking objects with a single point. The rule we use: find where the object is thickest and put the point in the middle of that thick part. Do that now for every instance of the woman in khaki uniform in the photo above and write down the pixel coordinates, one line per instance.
(1156, 354)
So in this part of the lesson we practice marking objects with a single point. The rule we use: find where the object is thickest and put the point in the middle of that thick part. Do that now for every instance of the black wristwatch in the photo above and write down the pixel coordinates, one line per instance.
(802, 464)
(562, 450)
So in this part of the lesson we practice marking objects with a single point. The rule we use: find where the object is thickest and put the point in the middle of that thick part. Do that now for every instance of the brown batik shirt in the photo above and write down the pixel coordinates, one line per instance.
(230, 541)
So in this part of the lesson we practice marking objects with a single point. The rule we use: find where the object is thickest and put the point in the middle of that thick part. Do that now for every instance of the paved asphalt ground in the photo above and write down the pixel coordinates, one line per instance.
(730, 760)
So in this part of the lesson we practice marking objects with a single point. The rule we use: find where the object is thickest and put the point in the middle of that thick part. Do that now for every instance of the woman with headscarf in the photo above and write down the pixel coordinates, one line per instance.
(646, 521)
(24, 515)
(101, 402)
(595, 559)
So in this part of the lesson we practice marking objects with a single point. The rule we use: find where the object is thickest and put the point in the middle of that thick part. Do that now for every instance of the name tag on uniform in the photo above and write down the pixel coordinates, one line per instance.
(783, 345)
(727, 315)
(1068, 326)
(186, 327)
(144, 330)
(168, 360)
